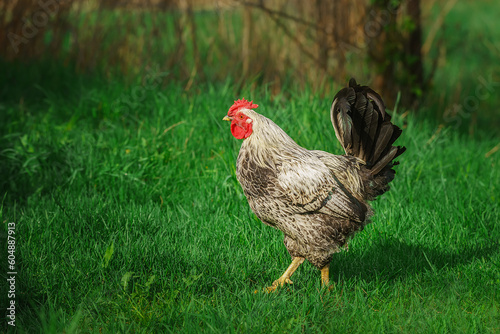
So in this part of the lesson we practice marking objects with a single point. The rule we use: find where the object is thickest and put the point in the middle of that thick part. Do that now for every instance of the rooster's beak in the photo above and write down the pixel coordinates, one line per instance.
(226, 118)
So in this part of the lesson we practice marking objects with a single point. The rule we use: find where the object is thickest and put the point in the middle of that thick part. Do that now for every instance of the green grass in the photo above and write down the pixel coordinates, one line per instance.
(465, 86)
(133, 220)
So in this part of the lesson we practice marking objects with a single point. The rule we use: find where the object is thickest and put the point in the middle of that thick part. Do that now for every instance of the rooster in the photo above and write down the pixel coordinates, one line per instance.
(317, 199)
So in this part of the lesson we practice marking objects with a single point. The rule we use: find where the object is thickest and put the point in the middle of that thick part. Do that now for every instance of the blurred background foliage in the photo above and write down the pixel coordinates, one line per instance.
(437, 57)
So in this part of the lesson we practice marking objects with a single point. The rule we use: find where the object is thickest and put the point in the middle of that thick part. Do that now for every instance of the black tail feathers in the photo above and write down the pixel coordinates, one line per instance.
(364, 128)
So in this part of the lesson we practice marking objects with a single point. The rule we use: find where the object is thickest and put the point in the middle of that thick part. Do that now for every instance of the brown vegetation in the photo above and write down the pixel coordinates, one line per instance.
(278, 42)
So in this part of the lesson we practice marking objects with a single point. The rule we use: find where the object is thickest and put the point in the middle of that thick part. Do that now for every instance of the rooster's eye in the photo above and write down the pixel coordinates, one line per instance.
(241, 116)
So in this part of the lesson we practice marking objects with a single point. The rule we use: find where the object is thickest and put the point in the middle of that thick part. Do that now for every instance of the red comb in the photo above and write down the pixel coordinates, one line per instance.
(241, 104)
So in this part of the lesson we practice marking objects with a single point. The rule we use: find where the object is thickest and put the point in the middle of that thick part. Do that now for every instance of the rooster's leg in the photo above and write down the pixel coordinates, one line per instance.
(285, 278)
(325, 275)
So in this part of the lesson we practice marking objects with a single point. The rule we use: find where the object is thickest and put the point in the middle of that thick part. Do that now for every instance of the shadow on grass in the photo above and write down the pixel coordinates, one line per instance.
(394, 260)
(36, 98)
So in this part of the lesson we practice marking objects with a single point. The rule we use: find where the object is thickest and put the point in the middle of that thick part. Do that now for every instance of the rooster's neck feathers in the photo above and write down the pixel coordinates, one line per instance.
(268, 140)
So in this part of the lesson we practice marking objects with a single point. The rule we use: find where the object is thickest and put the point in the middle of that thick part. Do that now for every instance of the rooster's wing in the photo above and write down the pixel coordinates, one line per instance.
(309, 186)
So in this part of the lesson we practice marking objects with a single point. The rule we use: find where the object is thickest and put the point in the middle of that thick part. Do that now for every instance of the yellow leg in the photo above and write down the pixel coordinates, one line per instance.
(285, 278)
(325, 275)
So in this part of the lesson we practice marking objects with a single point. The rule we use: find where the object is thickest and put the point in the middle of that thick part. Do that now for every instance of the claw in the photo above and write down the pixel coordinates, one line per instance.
(285, 278)
(278, 283)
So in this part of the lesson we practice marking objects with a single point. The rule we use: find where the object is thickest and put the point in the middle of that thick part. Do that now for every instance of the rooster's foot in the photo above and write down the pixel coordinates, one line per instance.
(278, 283)
(325, 278)
(285, 278)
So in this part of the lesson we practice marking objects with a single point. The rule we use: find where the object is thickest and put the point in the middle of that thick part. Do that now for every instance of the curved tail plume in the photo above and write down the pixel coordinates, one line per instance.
(364, 128)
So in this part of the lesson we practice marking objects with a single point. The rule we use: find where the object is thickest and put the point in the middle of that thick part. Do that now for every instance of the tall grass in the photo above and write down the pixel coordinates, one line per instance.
(285, 45)
(131, 219)
(467, 81)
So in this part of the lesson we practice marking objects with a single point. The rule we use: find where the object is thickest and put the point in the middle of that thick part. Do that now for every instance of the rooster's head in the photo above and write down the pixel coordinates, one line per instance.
(241, 123)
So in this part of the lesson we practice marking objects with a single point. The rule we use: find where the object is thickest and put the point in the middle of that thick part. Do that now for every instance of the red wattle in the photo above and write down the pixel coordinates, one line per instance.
(242, 130)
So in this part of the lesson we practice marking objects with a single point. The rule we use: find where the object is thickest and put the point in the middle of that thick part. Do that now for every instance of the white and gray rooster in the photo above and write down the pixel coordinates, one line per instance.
(317, 199)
